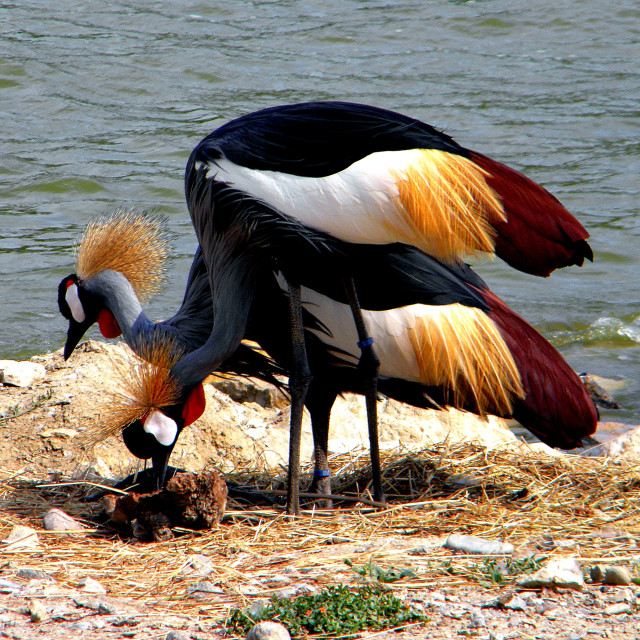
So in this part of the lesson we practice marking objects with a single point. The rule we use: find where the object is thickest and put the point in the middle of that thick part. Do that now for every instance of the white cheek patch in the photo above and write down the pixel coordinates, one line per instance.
(161, 427)
(73, 300)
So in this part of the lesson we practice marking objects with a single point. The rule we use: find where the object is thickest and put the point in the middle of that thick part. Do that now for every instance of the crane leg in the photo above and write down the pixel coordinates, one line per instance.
(299, 379)
(368, 367)
(319, 402)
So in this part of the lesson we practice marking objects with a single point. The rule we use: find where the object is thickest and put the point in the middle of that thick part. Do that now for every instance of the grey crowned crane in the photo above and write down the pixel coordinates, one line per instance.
(299, 186)
(447, 345)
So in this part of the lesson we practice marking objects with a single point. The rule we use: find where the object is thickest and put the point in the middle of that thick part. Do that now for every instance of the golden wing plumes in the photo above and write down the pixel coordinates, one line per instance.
(145, 385)
(461, 348)
(446, 202)
(131, 242)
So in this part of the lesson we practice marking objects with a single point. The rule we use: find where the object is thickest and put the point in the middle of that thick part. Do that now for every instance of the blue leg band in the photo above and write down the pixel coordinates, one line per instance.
(322, 473)
(365, 343)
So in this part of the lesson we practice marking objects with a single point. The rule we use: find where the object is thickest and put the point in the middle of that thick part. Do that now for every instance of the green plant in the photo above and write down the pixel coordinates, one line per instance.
(337, 610)
(495, 572)
(372, 572)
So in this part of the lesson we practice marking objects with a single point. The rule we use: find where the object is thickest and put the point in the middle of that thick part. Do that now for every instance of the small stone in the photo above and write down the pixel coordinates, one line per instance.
(507, 601)
(34, 574)
(6, 586)
(21, 538)
(475, 545)
(37, 612)
(617, 609)
(610, 575)
(563, 573)
(91, 586)
(58, 520)
(477, 620)
(257, 607)
(199, 564)
(279, 581)
(268, 631)
(205, 586)
(177, 635)
(21, 374)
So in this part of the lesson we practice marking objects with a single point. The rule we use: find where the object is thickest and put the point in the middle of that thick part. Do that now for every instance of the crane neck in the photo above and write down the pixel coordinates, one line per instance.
(119, 297)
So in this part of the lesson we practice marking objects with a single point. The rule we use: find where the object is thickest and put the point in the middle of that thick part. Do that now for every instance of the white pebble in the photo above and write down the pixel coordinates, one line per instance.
(475, 545)
(21, 538)
(268, 631)
(58, 520)
(91, 586)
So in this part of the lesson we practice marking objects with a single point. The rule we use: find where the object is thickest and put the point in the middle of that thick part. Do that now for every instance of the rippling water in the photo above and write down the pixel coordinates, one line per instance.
(101, 103)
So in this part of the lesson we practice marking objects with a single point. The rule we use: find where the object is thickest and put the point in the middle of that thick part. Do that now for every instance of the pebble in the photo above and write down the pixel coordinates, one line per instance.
(37, 612)
(177, 635)
(617, 609)
(562, 573)
(477, 620)
(34, 574)
(205, 586)
(268, 631)
(200, 565)
(58, 520)
(257, 607)
(610, 575)
(475, 545)
(21, 538)
(278, 581)
(91, 586)
(6, 586)
(507, 601)
(21, 374)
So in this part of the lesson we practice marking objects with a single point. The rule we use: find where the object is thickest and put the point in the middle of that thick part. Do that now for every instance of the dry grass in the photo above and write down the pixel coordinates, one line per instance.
(523, 497)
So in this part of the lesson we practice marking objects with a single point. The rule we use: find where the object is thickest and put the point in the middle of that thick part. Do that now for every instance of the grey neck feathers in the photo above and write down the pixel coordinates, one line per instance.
(120, 298)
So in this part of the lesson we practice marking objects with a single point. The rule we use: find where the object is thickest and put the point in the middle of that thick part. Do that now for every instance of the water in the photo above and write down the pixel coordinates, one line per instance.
(101, 103)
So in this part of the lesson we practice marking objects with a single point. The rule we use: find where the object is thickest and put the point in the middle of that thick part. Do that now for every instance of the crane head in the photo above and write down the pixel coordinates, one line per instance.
(82, 309)
(155, 435)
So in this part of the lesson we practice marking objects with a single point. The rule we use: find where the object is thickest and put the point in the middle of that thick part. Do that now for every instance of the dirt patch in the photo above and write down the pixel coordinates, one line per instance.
(546, 506)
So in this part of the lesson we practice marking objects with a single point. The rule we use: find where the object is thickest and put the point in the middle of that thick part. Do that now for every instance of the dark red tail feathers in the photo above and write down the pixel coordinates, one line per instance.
(540, 235)
(556, 407)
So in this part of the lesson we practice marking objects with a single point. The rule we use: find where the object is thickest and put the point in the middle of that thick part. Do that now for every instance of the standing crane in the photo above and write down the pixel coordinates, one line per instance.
(298, 186)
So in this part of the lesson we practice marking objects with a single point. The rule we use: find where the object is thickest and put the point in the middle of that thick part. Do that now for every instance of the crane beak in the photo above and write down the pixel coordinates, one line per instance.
(159, 464)
(74, 334)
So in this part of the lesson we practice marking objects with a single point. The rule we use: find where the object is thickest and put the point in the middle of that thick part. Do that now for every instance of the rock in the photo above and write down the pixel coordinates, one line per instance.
(37, 612)
(507, 601)
(477, 620)
(610, 575)
(205, 586)
(617, 609)
(257, 607)
(199, 565)
(20, 539)
(58, 520)
(268, 631)
(562, 573)
(475, 545)
(6, 586)
(91, 586)
(34, 574)
(279, 581)
(21, 374)
(177, 635)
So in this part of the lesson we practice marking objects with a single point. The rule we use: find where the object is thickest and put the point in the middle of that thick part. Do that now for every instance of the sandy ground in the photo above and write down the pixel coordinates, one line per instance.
(185, 586)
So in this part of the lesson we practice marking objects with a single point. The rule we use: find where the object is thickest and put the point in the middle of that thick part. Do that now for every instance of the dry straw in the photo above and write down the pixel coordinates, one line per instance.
(540, 503)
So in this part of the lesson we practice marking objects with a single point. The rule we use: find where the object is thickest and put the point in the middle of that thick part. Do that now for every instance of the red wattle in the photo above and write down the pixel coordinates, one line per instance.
(108, 326)
(195, 405)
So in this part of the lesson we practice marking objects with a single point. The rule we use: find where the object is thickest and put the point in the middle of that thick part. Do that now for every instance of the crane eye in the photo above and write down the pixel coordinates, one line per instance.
(161, 427)
(73, 300)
